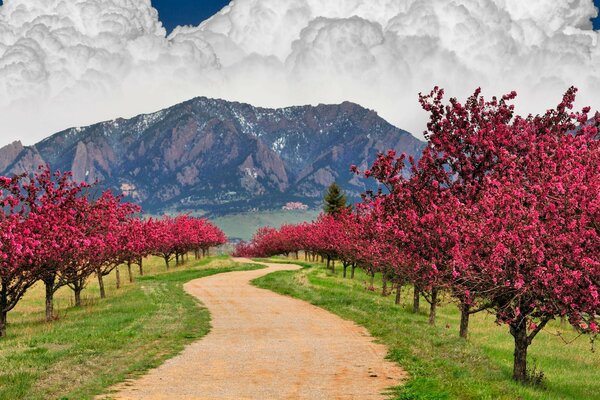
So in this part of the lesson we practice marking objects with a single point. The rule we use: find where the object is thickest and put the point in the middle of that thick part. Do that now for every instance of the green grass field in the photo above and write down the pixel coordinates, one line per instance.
(243, 226)
(441, 365)
(88, 349)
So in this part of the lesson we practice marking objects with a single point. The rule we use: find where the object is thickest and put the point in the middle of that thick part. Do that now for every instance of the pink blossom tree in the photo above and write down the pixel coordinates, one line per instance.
(18, 271)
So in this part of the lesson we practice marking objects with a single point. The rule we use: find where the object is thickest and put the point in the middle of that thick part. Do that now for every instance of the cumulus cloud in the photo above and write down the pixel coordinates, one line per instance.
(65, 63)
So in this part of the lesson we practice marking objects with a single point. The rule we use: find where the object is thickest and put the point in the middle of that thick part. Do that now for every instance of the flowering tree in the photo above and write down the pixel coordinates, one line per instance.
(50, 202)
(174, 237)
(534, 232)
(162, 238)
(109, 220)
(417, 219)
(18, 272)
(467, 142)
(135, 245)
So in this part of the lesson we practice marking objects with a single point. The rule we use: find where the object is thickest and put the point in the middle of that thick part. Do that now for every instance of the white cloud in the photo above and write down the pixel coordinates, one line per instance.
(74, 62)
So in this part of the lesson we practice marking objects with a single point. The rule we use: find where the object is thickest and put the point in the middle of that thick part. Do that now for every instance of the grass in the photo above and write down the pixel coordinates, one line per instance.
(91, 348)
(282, 260)
(441, 365)
(244, 225)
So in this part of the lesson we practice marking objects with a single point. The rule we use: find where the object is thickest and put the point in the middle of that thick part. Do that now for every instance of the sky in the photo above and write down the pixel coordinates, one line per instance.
(192, 12)
(187, 12)
(73, 63)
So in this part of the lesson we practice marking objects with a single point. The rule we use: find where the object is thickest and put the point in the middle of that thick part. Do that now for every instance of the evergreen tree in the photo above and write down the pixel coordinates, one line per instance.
(335, 200)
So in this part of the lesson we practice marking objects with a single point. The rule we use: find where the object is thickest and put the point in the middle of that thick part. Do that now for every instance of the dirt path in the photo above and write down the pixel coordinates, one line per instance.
(266, 346)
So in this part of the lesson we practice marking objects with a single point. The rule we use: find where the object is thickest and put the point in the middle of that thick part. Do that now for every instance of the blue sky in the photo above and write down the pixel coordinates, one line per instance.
(186, 12)
(192, 12)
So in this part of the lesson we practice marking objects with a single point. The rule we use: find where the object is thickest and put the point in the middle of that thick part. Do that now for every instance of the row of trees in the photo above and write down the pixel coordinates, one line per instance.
(59, 232)
(501, 211)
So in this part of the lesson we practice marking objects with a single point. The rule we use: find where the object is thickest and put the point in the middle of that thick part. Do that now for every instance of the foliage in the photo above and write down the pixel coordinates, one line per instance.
(335, 200)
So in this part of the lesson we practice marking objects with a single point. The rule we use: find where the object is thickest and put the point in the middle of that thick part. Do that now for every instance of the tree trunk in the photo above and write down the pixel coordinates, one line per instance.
(322, 259)
(352, 272)
(77, 288)
(101, 284)
(167, 262)
(519, 333)
(372, 283)
(398, 293)
(49, 284)
(333, 266)
(176, 259)
(118, 276)
(328, 262)
(464, 320)
(416, 300)
(141, 265)
(345, 264)
(384, 285)
(77, 292)
(3, 315)
(129, 272)
(433, 306)
(3, 307)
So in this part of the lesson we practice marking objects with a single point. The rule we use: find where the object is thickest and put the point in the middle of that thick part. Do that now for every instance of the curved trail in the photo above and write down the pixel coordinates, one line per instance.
(266, 346)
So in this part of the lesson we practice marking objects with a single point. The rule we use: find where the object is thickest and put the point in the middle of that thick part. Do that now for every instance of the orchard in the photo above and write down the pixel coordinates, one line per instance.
(501, 212)
(55, 231)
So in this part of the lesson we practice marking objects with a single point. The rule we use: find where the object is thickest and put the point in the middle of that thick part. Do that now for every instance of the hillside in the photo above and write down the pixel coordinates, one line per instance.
(218, 157)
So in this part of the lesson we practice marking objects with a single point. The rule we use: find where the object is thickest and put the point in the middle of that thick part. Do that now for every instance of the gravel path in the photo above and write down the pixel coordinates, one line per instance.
(266, 346)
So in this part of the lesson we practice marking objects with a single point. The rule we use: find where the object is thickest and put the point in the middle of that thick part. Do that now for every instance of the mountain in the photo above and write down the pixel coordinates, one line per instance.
(218, 157)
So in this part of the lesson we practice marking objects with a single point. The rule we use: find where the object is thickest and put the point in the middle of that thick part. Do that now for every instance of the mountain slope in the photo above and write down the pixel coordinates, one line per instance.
(216, 156)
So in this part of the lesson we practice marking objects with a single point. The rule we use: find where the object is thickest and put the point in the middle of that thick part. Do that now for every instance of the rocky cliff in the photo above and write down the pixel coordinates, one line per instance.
(218, 157)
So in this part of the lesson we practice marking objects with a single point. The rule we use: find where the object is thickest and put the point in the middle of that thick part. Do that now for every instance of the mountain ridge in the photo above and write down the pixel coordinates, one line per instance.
(215, 156)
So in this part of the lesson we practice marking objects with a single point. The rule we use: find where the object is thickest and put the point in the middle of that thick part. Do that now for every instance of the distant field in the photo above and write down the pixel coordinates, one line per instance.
(244, 225)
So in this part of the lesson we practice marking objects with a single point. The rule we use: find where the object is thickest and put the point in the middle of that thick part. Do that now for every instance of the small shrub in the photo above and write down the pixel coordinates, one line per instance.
(535, 376)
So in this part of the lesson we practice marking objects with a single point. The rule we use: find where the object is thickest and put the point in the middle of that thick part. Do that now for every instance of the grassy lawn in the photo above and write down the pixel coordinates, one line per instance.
(244, 225)
(88, 349)
(440, 364)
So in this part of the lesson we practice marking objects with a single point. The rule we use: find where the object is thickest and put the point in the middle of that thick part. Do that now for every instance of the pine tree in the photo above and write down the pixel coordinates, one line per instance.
(335, 200)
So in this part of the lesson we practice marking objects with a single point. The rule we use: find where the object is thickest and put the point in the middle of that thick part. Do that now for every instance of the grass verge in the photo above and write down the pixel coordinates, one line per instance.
(91, 348)
(441, 365)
